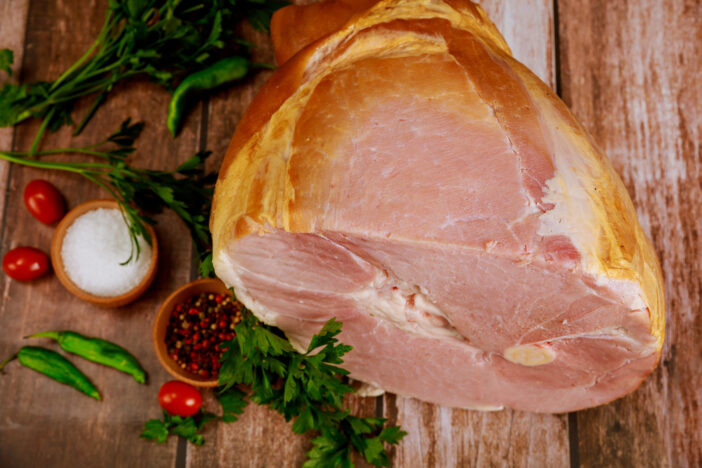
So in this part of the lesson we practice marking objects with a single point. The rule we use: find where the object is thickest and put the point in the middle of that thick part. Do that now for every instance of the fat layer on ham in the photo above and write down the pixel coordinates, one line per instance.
(403, 173)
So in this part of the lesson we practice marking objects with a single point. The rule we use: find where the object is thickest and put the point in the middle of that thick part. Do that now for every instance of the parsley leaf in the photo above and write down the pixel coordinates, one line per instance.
(11, 97)
(233, 404)
(187, 427)
(306, 387)
(6, 59)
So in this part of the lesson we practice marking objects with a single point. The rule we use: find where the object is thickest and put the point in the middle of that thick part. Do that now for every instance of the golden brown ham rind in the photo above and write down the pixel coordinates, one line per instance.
(296, 26)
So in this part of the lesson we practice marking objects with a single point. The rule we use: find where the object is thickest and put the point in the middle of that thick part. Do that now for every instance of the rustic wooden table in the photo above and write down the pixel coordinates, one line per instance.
(631, 71)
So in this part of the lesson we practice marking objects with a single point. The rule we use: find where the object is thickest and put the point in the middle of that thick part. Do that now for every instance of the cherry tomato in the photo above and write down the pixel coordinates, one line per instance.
(25, 263)
(44, 201)
(179, 398)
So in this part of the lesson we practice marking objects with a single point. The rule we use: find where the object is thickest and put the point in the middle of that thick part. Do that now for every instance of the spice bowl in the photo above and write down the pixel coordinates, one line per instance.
(179, 296)
(60, 267)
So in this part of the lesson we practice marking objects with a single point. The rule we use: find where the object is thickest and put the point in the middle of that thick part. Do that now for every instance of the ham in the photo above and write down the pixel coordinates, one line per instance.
(402, 172)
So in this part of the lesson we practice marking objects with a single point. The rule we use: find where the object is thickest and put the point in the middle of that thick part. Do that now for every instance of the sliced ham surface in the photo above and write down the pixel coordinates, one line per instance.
(403, 173)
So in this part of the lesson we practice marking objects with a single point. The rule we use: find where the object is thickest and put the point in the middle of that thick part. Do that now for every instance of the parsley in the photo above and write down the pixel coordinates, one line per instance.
(6, 59)
(188, 427)
(187, 190)
(162, 40)
(233, 404)
(306, 387)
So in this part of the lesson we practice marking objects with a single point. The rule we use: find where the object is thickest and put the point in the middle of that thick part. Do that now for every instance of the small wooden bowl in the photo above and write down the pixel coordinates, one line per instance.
(57, 261)
(207, 285)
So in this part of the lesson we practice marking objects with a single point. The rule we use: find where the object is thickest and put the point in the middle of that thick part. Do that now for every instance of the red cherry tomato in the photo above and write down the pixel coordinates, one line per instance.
(44, 201)
(25, 263)
(179, 398)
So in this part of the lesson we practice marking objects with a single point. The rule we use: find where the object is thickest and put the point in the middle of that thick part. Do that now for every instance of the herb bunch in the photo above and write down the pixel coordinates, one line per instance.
(162, 40)
(187, 190)
(307, 387)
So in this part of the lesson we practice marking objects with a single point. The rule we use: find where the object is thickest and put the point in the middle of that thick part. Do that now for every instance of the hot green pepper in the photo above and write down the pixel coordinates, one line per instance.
(217, 74)
(53, 365)
(97, 350)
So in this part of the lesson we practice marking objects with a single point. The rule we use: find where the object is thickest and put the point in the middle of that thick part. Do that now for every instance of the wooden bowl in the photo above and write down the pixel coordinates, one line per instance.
(180, 295)
(57, 261)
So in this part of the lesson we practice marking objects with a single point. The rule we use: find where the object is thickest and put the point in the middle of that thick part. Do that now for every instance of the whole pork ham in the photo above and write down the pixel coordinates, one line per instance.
(402, 172)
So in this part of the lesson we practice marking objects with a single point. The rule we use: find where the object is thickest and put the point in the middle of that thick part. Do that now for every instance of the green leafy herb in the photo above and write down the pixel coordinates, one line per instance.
(162, 40)
(188, 427)
(187, 190)
(307, 387)
(6, 59)
(233, 404)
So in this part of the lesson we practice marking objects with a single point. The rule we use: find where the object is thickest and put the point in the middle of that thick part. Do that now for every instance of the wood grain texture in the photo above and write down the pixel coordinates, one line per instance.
(13, 25)
(631, 72)
(528, 28)
(43, 423)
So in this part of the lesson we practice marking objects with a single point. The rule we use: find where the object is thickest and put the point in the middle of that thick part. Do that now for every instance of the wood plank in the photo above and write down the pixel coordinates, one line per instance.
(13, 24)
(528, 28)
(44, 423)
(631, 74)
(451, 437)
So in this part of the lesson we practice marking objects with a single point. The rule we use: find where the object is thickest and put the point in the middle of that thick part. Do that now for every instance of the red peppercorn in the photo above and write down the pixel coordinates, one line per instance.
(197, 329)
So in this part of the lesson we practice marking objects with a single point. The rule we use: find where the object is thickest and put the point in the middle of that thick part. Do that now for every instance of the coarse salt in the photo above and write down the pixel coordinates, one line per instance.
(93, 250)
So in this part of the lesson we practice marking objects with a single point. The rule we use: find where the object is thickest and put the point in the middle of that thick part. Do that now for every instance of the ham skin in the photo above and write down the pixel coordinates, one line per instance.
(402, 172)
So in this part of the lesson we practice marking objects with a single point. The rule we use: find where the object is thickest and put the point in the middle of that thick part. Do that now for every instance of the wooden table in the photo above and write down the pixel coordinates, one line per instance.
(631, 71)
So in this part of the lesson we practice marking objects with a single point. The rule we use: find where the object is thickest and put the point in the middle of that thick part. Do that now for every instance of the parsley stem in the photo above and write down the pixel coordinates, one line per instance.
(105, 29)
(84, 121)
(42, 129)
(67, 167)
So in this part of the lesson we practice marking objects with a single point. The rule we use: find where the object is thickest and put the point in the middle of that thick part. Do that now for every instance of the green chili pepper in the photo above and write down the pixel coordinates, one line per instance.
(53, 365)
(217, 74)
(97, 350)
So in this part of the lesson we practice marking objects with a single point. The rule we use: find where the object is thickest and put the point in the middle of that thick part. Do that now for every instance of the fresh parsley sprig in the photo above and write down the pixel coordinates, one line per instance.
(188, 427)
(187, 190)
(162, 40)
(232, 402)
(307, 387)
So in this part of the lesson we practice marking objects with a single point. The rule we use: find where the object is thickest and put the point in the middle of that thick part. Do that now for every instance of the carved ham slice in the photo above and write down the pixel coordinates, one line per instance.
(403, 173)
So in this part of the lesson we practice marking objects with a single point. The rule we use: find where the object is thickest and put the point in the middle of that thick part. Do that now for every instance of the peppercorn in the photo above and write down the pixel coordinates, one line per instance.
(194, 338)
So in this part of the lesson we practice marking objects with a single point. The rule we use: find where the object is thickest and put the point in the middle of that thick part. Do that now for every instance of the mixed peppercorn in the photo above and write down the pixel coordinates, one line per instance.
(197, 329)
